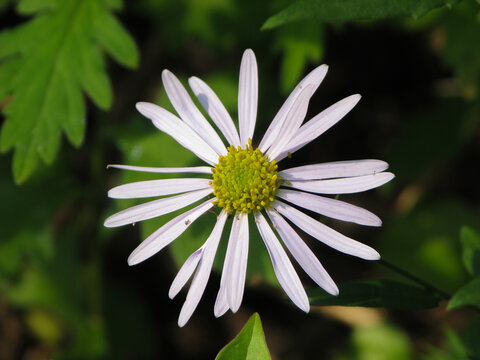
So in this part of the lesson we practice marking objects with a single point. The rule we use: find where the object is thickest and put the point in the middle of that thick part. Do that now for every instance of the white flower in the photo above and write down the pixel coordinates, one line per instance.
(246, 180)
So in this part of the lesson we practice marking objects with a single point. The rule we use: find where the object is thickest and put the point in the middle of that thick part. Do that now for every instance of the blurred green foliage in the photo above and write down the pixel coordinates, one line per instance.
(64, 277)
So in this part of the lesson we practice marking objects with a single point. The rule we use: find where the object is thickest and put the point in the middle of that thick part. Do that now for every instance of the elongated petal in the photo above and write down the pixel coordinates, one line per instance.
(167, 233)
(343, 185)
(302, 253)
(335, 209)
(188, 112)
(286, 274)
(179, 130)
(247, 96)
(202, 274)
(292, 122)
(214, 107)
(336, 169)
(236, 261)
(194, 169)
(221, 303)
(326, 235)
(315, 77)
(185, 273)
(141, 189)
(155, 208)
(319, 124)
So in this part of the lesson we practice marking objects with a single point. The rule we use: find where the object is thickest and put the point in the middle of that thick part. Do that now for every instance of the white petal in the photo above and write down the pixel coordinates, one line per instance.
(330, 207)
(202, 274)
(247, 96)
(155, 208)
(236, 261)
(315, 77)
(214, 107)
(302, 253)
(179, 130)
(343, 185)
(336, 169)
(221, 303)
(185, 273)
(319, 124)
(194, 169)
(326, 235)
(167, 233)
(292, 122)
(183, 104)
(286, 275)
(141, 189)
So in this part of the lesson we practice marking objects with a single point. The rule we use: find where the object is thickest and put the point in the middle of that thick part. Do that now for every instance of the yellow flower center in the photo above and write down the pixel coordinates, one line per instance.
(244, 180)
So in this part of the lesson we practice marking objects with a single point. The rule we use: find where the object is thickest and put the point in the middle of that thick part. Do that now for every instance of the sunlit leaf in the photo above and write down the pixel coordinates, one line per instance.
(376, 293)
(333, 11)
(249, 343)
(45, 65)
(466, 295)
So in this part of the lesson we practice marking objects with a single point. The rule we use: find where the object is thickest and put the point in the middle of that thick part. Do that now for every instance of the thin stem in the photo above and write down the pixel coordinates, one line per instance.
(419, 281)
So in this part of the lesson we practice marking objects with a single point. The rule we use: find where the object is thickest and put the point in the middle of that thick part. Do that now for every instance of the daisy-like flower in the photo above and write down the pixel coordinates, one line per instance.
(245, 180)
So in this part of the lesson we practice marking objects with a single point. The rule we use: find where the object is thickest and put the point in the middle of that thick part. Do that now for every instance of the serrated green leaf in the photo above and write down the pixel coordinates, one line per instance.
(466, 295)
(470, 250)
(27, 7)
(334, 11)
(45, 65)
(376, 293)
(249, 343)
(112, 36)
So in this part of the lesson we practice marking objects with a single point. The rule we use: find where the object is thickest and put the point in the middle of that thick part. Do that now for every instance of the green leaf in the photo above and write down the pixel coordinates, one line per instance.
(466, 295)
(27, 7)
(380, 341)
(471, 337)
(470, 250)
(44, 66)
(110, 33)
(376, 293)
(249, 343)
(461, 29)
(300, 44)
(334, 11)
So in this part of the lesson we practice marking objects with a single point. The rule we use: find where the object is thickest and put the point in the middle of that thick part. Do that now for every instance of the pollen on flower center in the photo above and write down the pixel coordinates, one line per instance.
(244, 180)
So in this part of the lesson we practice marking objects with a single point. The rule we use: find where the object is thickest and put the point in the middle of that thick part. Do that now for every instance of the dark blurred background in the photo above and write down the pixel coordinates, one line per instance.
(66, 290)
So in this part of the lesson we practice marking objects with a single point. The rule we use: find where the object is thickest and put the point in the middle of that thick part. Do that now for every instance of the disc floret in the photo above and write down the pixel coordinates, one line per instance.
(244, 180)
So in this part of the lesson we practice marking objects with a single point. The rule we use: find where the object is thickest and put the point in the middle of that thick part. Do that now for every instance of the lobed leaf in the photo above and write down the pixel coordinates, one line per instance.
(249, 343)
(45, 65)
(376, 293)
(334, 11)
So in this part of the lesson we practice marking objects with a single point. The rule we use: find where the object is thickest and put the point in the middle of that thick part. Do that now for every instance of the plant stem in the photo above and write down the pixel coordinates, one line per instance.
(419, 281)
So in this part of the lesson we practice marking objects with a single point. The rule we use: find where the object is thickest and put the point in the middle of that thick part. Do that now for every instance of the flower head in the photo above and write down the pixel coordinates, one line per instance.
(245, 180)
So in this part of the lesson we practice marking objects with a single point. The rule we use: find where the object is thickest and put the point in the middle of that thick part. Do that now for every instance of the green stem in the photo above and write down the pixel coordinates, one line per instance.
(419, 281)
